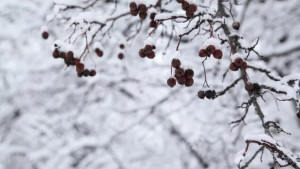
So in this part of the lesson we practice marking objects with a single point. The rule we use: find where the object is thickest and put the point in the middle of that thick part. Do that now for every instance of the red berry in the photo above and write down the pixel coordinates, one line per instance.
(189, 73)
(76, 61)
(189, 82)
(233, 67)
(45, 35)
(152, 16)
(122, 46)
(238, 62)
(79, 67)
(189, 14)
(134, 12)
(218, 54)
(202, 53)
(179, 72)
(142, 53)
(175, 63)
(120, 56)
(249, 86)
(142, 8)
(244, 65)
(62, 54)
(151, 55)
(143, 15)
(55, 53)
(133, 5)
(99, 52)
(192, 8)
(181, 80)
(148, 48)
(185, 5)
(153, 24)
(92, 73)
(171, 82)
(298, 115)
(210, 49)
(69, 55)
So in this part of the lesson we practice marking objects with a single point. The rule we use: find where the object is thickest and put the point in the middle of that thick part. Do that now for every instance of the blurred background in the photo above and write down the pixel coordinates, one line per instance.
(126, 117)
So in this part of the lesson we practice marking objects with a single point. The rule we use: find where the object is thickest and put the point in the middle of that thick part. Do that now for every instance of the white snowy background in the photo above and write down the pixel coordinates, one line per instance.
(126, 117)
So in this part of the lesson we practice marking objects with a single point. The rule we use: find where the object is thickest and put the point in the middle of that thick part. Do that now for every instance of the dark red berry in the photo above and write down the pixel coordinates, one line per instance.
(249, 86)
(192, 8)
(133, 5)
(153, 24)
(189, 82)
(79, 74)
(189, 73)
(244, 65)
(171, 82)
(189, 14)
(298, 115)
(218, 54)
(238, 61)
(142, 15)
(175, 63)
(134, 12)
(210, 49)
(55, 53)
(79, 67)
(142, 53)
(179, 72)
(185, 5)
(151, 55)
(86, 72)
(181, 80)
(62, 54)
(99, 52)
(69, 55)
(202, 53)
(142, 8)
(92, 73)
(152, 16)
(122, 46)
(120, 56)
(236, 25)
(233, 67)
(76, 61)
(201, 94)
(180, 1)
(148, 48)
(45, 35)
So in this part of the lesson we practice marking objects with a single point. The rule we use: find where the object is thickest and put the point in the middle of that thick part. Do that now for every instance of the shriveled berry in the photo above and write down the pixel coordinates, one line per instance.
(92, 73)
(181, 80)
(233, 67)
(238, 61)
(152, 15)
(236, 25)
(134, 12)
(153, 24)
(210, 49)
(202, 53)
(171, 82)
(244, 65)
(69, 55)
(189, 73)
(142, 8)
(151, 54)
(62, 54)
(55, 53)
(133, 5)
(179, 72)
(201, 94)
(120, 56)
(79, 67)
(210, 94)
(45, 35)
(185, 5)
(192, 8)
(249, 86)
(99, 52)
(86, 72)
(189, 82)
(122, 46)
(142, 53)
(189, 14)
(175, 63)
(218, 54)
(76, 61)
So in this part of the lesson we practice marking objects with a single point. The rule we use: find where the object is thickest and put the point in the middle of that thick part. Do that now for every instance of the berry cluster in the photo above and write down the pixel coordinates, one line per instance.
(121, 55)
(147, 51)
(209, 94)
(45, 34)
(99, 52)
(70, 60)
(189, 8)
(183, 77)
(252, 87)
(238, 63)
(153, 23)
(140, 10)
(211, 49)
